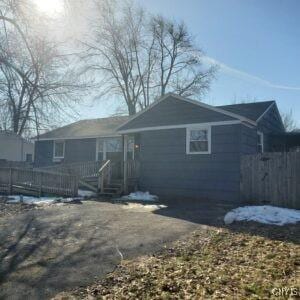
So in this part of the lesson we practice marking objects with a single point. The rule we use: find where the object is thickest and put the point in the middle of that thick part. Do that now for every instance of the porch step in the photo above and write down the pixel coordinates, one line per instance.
(113, 189)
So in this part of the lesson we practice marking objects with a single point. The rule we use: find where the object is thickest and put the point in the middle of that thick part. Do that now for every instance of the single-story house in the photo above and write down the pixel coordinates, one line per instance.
(15, 148)
(185, 148)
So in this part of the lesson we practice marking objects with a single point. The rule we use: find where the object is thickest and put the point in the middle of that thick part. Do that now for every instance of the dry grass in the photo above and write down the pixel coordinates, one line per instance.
(244, 261)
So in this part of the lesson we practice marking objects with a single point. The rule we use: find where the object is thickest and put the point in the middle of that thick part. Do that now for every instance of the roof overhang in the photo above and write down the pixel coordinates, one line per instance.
(178, 126)
(76, 138)
(201, 104)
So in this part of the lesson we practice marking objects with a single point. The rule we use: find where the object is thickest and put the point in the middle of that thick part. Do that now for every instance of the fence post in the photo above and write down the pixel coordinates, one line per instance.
(75, 187)
(40, 184)
(10, 184)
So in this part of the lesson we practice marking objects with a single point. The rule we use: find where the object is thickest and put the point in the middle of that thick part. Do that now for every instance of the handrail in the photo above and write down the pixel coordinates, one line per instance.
(104, 166)
(104, 174)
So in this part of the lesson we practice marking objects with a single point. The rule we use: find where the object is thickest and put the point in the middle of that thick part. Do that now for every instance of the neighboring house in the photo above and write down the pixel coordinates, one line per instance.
(15, 148)
(186, 149)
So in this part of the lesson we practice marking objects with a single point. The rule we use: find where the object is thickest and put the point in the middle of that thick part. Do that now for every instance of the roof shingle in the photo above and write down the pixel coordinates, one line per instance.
(251, 111)
(87, 128)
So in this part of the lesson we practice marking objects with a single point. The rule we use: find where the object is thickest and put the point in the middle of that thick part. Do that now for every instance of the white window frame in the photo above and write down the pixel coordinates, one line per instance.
(58, 158)
(261, 134)
(104, 146)
(188, 139)
(97, 148)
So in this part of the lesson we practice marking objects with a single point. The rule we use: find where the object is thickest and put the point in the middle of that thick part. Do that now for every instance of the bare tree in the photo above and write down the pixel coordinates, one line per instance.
(37, 83)
(288, 121)
(141, 57)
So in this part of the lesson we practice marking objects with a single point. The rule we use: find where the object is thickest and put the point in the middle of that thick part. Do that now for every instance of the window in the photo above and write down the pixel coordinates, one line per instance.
(109, 148)
(130, 148)
(198, 140)
(29, 157)
(59, 150)
(100, 150)
(260, 142)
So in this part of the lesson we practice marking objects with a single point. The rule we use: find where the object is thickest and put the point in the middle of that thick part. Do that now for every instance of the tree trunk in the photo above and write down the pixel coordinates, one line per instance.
(131, 109)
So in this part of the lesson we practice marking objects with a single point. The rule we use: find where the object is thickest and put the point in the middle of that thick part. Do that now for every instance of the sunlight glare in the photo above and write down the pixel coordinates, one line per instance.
(49, 7)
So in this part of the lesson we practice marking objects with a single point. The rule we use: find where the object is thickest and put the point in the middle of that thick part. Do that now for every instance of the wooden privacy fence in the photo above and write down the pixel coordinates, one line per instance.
(28, 181)
(271, 178)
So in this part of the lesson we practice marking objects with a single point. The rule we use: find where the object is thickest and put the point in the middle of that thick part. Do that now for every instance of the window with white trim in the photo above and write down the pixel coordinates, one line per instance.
(59, 150)
(260, 142)
(108, 148)
(198, 140)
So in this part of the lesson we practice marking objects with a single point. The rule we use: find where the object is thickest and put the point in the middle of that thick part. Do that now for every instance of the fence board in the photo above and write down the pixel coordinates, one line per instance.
(271, 178)
(41, 182)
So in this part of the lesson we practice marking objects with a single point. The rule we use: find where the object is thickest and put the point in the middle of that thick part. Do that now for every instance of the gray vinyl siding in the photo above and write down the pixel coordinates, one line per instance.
(248, 140)
(270, 124)
(43, 153)
(166, 169)
(76, 150)
(173, 111)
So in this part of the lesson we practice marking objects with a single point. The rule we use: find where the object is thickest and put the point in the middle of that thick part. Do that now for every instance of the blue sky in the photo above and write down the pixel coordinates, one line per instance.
(256, 43)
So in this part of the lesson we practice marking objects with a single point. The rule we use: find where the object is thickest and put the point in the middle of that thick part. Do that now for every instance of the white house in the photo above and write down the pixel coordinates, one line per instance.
(15, 148)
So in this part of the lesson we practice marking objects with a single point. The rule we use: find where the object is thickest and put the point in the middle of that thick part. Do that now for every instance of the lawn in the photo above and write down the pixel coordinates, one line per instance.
(240, 261)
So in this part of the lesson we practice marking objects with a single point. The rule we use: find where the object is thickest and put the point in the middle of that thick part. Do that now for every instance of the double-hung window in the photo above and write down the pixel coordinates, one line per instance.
(198, 140)
(58, 150)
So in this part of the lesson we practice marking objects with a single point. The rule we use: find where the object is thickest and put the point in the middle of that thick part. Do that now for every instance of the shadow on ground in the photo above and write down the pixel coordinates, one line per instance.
(44, 252)
(38, 259)
(212, 214)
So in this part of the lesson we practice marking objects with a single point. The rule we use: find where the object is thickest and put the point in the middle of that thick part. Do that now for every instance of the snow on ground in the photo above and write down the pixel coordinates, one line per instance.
(31, 200)
(48, 200)
(85, 193)
(142, 196)
(14, 199)
(263, 214)
(143, 207)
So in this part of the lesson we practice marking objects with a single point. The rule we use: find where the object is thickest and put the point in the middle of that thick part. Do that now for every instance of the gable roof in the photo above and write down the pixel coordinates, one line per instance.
(102, 127)
(252, 111)
(197, 107)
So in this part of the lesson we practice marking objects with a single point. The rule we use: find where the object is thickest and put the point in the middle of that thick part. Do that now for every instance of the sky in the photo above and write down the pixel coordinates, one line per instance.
(256, 44)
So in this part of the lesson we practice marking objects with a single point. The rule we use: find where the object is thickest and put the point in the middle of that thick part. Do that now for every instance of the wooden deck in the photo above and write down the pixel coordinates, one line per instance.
(63, 180)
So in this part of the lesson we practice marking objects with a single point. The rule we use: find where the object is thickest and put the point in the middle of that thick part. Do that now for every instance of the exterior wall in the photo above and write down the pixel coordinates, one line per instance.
(43, 153)
(173, 111)
(75, 151)
(270, 124)
(166, 169)
(14, 148)
(248, 140)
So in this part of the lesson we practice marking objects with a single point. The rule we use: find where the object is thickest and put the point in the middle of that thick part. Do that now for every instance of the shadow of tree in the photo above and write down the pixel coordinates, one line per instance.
(38, 260)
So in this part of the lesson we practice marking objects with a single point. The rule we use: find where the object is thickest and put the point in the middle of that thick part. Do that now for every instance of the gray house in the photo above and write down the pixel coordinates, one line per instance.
(185, 148)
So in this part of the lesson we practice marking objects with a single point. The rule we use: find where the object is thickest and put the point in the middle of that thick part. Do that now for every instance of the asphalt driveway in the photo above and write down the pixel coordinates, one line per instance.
(45, 251)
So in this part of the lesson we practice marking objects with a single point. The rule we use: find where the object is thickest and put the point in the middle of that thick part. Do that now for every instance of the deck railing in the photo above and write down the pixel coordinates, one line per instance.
(80, 169)
(38, 182)
(133, 169)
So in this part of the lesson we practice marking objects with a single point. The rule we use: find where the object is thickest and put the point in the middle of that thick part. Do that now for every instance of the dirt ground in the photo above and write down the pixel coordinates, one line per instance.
(45, 251)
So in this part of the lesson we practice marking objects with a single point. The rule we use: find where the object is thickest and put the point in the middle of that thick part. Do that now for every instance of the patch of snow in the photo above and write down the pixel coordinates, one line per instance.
(265, 214)
(85, 193)
(14, 199)
(32, 200)
(142, 196)
(143, 207)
